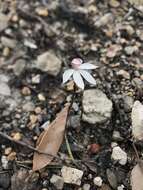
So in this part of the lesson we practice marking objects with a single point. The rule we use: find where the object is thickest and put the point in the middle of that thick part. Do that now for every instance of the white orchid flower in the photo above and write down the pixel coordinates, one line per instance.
(78, 72)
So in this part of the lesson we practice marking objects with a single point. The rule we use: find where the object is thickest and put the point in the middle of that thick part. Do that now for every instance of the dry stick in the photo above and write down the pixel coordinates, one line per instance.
(21, 143)
(136, 152)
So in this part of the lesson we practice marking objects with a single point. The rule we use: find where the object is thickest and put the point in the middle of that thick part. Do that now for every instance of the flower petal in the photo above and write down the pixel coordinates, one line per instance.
(67, 74)
(87, 76)
(87, 66)
(78, 79)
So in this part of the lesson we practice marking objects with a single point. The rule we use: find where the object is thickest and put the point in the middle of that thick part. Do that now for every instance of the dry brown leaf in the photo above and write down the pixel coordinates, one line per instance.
(50, 140)
(137, 177)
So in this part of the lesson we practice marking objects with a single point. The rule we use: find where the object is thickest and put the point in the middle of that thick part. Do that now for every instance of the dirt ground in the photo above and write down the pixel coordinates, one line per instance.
(109, 34)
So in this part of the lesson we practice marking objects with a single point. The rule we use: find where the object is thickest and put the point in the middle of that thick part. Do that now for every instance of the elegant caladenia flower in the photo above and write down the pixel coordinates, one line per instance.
(79, 71)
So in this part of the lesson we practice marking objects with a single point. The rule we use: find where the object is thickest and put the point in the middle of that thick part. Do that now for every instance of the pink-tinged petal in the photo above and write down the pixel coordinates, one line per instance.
(87, 66)
(67, 75)
(87, 76)
(78, 79)
(76, 62)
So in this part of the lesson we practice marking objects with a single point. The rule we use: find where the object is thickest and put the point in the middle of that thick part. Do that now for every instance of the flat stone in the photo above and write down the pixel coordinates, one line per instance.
(112, 178)
(4, 89)
(49, 62)
(131, 49)
(137, 120)
(119, 155)
(19, 66)
(114, 3)
(3, 21)
(4, 180)
(97, 108)
(57, 181)
(28, 106)
(8, 42)
(128, 103)
(104, 20)
(71, 175)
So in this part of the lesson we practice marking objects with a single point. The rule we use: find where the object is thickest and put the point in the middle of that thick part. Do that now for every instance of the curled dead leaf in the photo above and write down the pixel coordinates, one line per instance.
(50, 140)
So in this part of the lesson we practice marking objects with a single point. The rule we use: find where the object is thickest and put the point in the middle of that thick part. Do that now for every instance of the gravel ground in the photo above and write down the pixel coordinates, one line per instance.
(38, 40)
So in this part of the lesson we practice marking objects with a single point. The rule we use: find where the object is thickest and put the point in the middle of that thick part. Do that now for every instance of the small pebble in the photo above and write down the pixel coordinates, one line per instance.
(38, 110)
(11, 156)
(7, 151)
(42, 11)
(33, 119)
(14, 18)
(71, 175)
(28, 106)
(41, 97)
(114, 3)
(6, 52)
(16, 136)
(121, 187)
(36, 79)
(98, 181)
(119, 155)
(4, 162)
(86, 187)
(57, 181)
(124, 74)
(26, 91)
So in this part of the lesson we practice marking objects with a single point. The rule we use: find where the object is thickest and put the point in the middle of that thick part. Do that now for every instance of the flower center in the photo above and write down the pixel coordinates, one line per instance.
(76, 62)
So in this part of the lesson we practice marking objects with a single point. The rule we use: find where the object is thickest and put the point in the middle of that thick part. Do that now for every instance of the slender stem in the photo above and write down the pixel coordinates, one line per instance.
(68, 148)
(66, 139)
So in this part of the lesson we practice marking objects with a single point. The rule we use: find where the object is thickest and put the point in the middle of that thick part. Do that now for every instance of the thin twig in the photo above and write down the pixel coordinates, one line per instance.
(68, 148)
(21, 143)
(136, 152)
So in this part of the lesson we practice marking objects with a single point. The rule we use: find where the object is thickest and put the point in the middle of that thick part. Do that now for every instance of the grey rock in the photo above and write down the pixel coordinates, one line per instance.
(137, 120)
(71, 175)
(36, 79)
(112, 178)
(8, 42)
(4, 78)
(119, 155)
(3, 21)
(130, 50)
(128, 103)
(19, 66)
(28, 106)
(116, 136)
(4, 162)
(4, 180)
(57, 181)
(4, 89)
(12, 104)
(104, 20)
(97, 108)
(86, 186)
(74, 121)
(49, 62)
(138, 83)
(98, 181)
(75, 106)
(121, 187)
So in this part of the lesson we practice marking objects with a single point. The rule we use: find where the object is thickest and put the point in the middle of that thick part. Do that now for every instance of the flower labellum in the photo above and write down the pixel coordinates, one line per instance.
(78, 72)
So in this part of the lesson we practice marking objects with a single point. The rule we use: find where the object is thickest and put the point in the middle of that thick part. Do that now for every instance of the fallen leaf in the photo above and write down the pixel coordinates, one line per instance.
(137, 177)
(50, 140)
